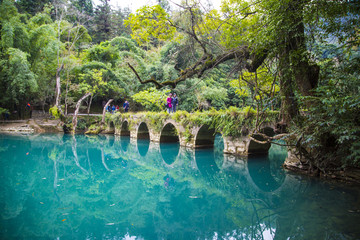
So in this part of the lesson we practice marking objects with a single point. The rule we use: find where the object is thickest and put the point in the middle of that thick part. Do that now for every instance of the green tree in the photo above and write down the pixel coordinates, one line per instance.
(17, 80)
(151, 99)
(84, 6)
(102, 22)
(90, 83)
(118, 16)
(31, 7)
(69, 35)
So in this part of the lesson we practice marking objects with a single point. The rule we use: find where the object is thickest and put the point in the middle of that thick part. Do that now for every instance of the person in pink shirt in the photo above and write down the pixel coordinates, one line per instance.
(168, 101)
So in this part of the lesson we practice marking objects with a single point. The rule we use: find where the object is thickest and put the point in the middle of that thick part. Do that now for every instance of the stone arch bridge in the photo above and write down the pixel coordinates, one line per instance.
(161, 127)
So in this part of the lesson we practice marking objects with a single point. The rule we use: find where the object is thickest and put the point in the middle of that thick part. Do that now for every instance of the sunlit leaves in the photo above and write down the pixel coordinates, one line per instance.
(152, 99)
(241, 24)
(259, 84)
(150, 22)
(92, 81)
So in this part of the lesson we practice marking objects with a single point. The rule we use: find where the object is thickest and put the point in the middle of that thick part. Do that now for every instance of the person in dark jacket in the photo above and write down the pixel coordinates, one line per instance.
(126, 106)
(174, 102)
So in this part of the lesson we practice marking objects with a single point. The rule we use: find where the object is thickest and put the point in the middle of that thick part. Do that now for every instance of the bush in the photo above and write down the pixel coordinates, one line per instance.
(54, 111)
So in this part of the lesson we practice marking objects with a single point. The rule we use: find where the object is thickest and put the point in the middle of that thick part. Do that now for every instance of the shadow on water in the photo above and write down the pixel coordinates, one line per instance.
(169, 152)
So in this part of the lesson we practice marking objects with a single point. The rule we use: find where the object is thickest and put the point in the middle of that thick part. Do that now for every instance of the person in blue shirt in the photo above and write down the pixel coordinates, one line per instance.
(126, 106)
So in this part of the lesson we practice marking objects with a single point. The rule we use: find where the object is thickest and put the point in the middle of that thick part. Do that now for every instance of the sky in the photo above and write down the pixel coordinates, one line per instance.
(135, 4)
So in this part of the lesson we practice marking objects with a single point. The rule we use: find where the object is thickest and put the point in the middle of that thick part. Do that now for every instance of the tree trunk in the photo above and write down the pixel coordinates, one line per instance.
(58, 87)
(296, 72)
(78, 104)
(66, 94)
(306, 75)
(289, 106)
(89, 104)
(104, 111)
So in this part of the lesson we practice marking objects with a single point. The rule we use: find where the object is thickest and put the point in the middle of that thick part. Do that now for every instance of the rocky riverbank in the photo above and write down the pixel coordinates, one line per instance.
(294, 164)
(31, 126)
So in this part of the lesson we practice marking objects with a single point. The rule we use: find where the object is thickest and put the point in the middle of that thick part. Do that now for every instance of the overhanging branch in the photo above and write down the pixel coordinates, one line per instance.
(207, 62)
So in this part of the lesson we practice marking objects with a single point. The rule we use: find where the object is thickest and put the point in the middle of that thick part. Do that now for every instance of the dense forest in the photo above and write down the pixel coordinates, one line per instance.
(298, 57)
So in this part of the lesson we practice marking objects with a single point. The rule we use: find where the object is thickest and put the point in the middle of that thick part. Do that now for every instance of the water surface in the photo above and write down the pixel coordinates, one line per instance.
(106, 187)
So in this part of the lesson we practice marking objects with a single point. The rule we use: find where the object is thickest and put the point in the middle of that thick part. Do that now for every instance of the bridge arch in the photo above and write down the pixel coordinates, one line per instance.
(143, 137)
(205, 137)
(124, 130)
(169, 143)
(169, 133)
(258, 148)
(111, 129)
(143, 131)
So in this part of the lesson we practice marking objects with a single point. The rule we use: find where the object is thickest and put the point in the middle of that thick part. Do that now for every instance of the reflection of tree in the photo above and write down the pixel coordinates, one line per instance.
(76, 158)
(103, 160)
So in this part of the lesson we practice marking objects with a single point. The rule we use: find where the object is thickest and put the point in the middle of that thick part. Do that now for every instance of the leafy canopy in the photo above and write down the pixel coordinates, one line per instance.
(149, 23)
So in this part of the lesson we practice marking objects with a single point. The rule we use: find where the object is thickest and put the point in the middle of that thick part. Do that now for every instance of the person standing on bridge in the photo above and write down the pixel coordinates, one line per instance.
(168, 101)
(174, 102)
(126, 106)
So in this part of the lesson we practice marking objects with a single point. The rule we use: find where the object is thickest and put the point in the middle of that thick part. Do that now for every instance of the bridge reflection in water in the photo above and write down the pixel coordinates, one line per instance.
(59, 186)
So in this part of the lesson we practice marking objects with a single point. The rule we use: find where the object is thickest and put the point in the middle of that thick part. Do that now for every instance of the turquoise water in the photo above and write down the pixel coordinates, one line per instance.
(106, 187)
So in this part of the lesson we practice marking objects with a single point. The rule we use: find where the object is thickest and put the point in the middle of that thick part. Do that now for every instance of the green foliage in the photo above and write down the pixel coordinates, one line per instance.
(229, 122)
(94, 129)
(187, 135)
(180, 116)
(332, 124)
(103, 52)
(125, 44)
(294, 36)
(156, 119)
(17, 77)
(31, 7)
(116, 118)
(150, 22)
(151, 99)
(3, 110)
(54, 111)
(92, 81)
